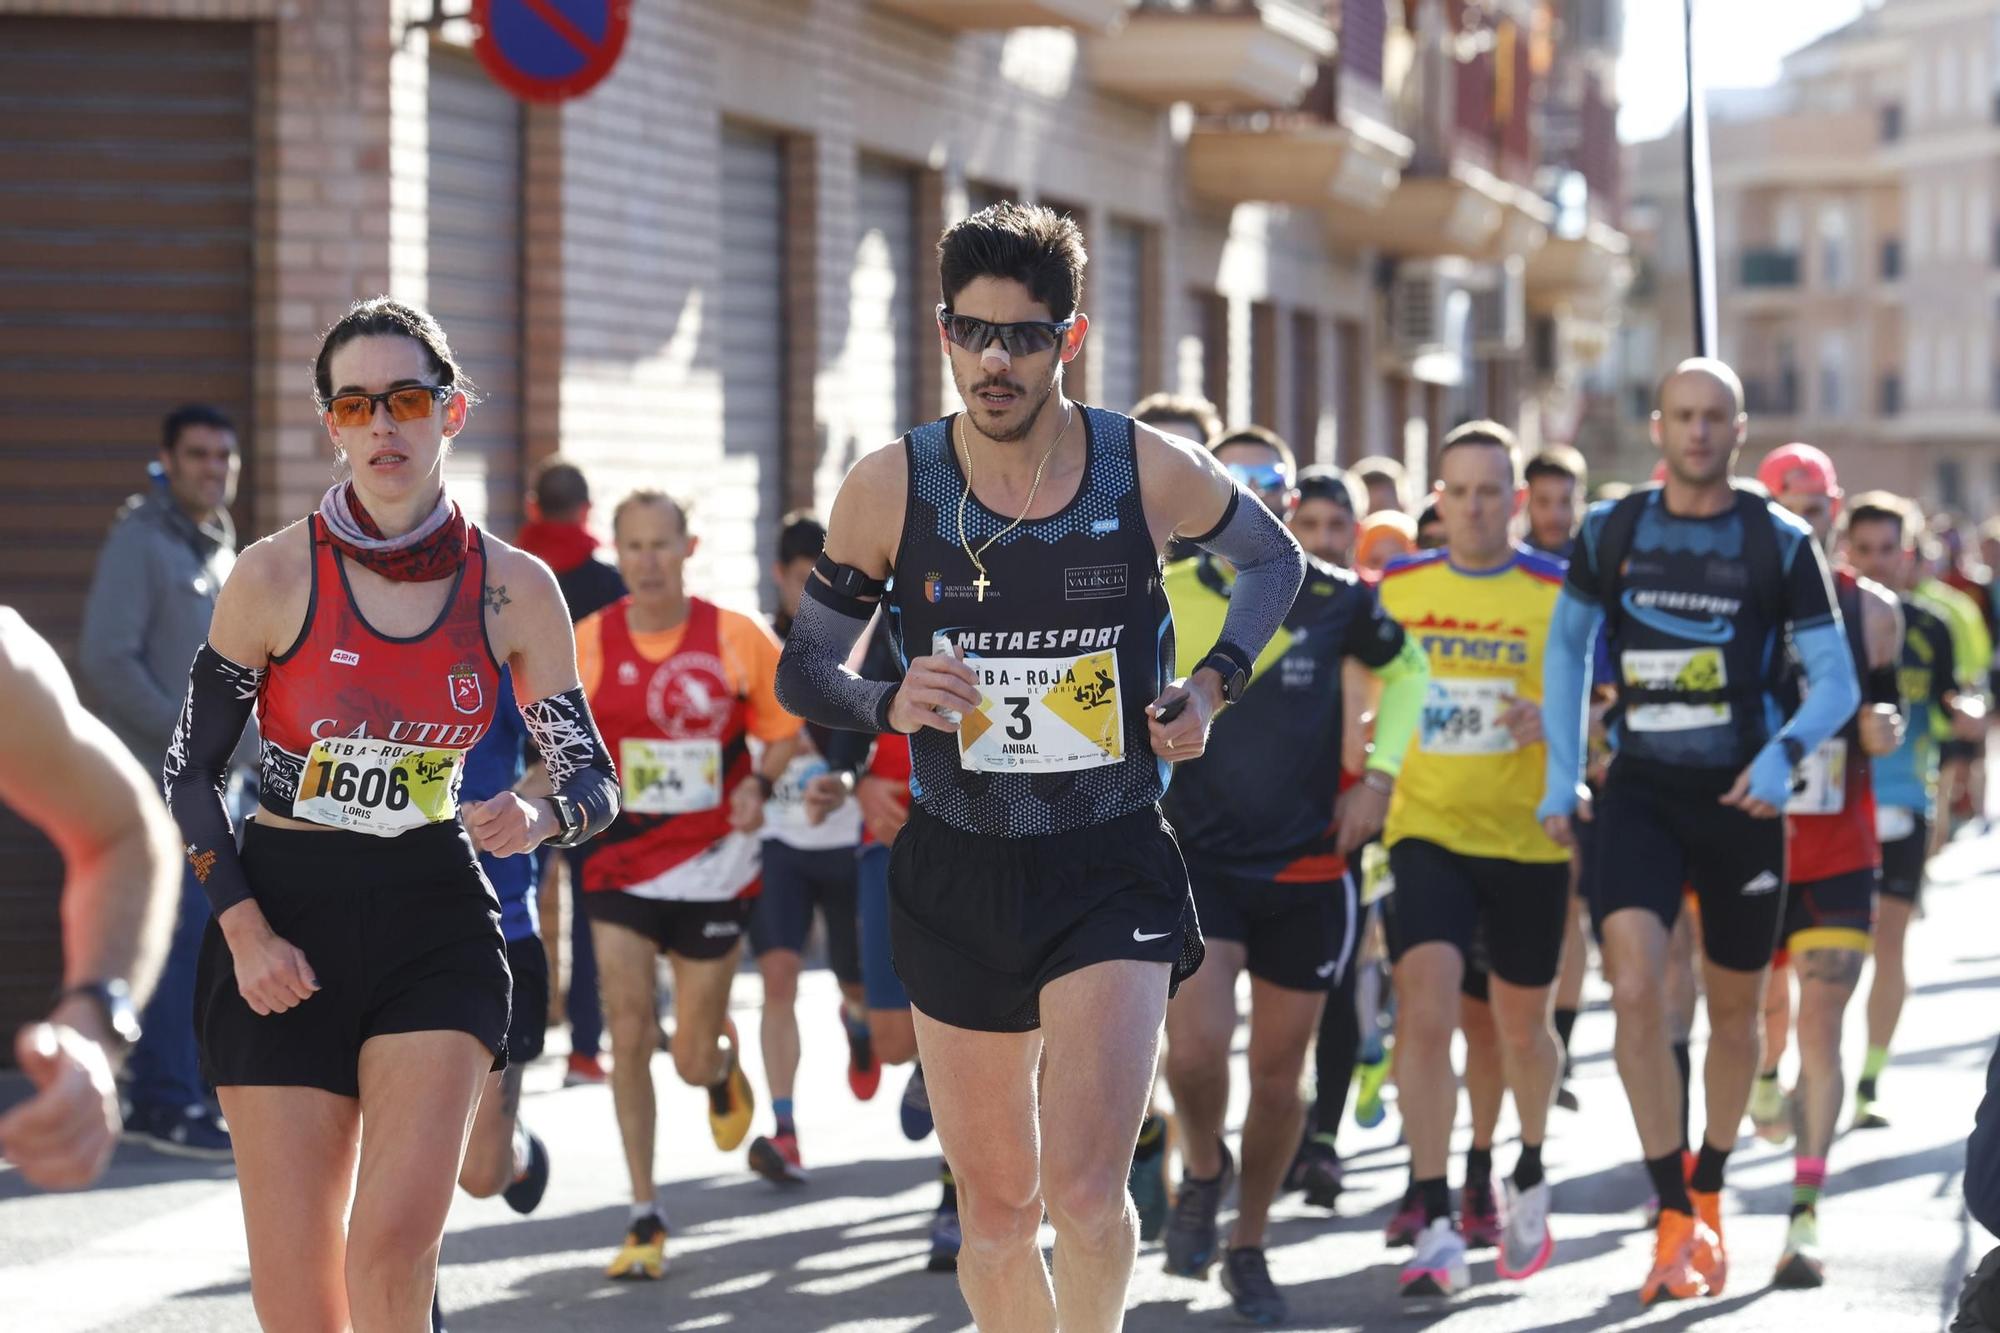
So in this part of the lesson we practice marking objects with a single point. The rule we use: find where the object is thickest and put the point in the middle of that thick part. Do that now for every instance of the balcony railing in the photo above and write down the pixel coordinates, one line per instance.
(1770, 268)
(1218, 55)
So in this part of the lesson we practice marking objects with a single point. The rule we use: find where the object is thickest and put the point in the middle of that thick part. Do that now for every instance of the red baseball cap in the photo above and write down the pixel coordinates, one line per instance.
(1801, 468)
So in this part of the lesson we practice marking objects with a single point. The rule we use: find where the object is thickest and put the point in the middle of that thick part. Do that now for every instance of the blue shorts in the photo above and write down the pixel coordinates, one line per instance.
(795, 882)
(884, 989)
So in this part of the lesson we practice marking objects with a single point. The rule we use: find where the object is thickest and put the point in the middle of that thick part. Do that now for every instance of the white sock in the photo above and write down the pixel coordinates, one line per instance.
(520, 1152)
(651, 1208)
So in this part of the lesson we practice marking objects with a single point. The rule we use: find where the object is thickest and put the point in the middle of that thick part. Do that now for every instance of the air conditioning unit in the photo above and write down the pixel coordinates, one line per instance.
(1427, 311)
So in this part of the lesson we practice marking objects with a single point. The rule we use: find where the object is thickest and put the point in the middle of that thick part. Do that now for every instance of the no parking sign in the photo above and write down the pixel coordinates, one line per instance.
(550, 50)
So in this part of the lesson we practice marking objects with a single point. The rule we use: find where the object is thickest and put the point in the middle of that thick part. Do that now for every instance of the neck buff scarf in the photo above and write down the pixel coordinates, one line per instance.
(434, 549)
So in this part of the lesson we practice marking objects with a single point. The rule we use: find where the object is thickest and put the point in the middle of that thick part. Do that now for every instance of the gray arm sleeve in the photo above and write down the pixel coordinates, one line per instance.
(1269, 569)
(813, 680)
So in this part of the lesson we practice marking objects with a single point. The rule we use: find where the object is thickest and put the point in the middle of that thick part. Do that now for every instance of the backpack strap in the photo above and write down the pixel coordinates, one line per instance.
(1614, 544)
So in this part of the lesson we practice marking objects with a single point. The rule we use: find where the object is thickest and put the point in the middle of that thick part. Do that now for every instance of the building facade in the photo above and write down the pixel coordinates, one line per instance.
(715, 273)
(1858, 257)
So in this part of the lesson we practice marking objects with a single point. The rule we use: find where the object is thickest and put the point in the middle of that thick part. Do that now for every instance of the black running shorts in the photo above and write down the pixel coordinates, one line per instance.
(1300, 936)
(796, 882)
(978, 924)
(1660, 829)
(403, 934)
(1837, 912)
(1903, 864)
(529, 1022)
(1513, 908)
(700, 932)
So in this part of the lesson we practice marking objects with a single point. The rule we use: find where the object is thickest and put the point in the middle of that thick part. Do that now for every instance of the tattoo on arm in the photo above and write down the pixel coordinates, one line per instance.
(496, 597)
(1837, 967)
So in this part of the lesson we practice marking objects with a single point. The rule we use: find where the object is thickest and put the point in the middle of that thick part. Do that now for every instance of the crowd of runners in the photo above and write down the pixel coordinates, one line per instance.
(1068, 719)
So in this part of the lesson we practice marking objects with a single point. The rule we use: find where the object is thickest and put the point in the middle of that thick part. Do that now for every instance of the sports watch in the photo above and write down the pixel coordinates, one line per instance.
(568, 818)
(1234, 678)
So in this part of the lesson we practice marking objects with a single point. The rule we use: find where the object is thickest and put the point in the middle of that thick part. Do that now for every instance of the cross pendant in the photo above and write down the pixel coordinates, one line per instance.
(981, 584)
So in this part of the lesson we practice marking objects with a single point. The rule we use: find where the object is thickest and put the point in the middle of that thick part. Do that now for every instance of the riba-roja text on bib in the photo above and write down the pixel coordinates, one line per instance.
(1043, 714)
(378, 787)
(670, 777)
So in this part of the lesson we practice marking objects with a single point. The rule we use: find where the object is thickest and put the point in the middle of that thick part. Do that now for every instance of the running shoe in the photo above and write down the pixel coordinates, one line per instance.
(916, 1107)
(1407, 1224)
(1320, 1173)
(1770, 1111)
(644, 1254)
(1191, 1231)
(194, 1132)
(777, 1159)
(731, 1103)
(1800, 1265)
(1865, 1114)
(583, 1071)
(1247, 1279)
(1711, 1259)
(1525, 1242)
(1147, 1180)
(525, 1194)
(437, 1314)
(945, 1239)
(1673, 1277)
(1369, 1077)
(1438, 1267)
(1479, 1215)
(864, 1074)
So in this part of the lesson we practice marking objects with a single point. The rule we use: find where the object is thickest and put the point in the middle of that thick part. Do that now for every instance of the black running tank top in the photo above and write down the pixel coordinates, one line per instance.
(1071, 642)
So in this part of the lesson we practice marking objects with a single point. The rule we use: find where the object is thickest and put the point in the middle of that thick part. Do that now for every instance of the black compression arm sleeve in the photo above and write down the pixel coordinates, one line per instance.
(578, 762)
(1269, 568)
(1881, 686)
(813, 680)
(219, 698)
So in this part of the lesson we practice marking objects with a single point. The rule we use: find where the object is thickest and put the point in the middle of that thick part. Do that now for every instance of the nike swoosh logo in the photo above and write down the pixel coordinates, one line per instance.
(1148, 939)
(1324, 970)
(1710, 628)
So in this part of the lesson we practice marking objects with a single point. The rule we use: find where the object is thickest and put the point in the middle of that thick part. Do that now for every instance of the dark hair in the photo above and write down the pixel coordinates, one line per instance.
(1430, 514)
(386, 315)
(801, 536)
(1558, 460)
(648, 495)
(560, 487)
(1324, 482)
(193, 414)
(1490, 433)
(1157, 407)
(1035, 246)
(1884, 507)
(1263, 438)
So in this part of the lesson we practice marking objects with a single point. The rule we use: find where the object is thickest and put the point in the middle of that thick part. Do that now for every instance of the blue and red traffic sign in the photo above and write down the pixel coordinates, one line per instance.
(550, 50)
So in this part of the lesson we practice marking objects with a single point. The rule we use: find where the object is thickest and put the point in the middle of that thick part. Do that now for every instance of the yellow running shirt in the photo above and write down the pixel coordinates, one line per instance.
(1465, 785)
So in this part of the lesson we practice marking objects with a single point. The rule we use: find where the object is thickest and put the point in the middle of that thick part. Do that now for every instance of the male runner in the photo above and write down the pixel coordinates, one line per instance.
(66, 773)
(1039, 909)
(1557, 478)
(1326, 519)
(1881, 530)
(1695, 583)
(1972, 651)
(1430, 528)
(678, 686)
(1834, 855)
(1385, 482)
(812, 829)
(1267, 835)
(1469, 860)
(1187, 415)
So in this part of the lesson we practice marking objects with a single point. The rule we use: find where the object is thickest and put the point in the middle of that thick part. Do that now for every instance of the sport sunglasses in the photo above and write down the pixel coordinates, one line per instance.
(1266, 477)
(412, 402)
(1023, 339)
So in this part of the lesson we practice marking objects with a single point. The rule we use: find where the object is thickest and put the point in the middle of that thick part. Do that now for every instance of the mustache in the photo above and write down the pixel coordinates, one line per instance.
(1007, 386)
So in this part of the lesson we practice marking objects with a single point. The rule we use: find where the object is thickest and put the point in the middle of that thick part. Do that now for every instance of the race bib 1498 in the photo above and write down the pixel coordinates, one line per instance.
(1043, 714)
(378, 787)
(1462, 716)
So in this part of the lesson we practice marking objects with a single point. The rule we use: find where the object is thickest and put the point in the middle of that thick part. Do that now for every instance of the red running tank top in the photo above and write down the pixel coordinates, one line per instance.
(366, 731)
(679, 733)
(1839, 843)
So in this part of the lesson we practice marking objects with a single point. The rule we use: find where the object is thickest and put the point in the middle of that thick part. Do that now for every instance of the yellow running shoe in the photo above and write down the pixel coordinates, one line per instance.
(1800, 1265)
(1711, 1259)
(1770, 1111)
(644, 1254)
(731, 1103)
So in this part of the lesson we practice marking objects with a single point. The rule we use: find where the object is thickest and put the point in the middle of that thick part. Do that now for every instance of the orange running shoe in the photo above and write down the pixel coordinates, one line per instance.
(1711, 1259)
(1673, 1277)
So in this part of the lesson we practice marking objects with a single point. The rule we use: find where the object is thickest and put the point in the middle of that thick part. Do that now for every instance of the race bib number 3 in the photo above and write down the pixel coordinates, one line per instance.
(1667, 670)
(378, 787)
(1823, 776)
(1043, 715)
(1462, 716)
(662, 777)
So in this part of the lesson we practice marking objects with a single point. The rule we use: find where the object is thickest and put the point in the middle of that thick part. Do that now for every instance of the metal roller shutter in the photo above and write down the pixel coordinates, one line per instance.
(883, 314)
(1118, 273)
(752, 301)
(125, 266)
(475, 275)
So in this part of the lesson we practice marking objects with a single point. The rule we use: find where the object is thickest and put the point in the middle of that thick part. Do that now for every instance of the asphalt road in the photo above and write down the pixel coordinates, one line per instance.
(158, 1245)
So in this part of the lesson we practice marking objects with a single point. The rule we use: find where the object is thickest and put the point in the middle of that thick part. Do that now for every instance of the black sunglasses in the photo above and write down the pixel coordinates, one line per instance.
(1023, 339)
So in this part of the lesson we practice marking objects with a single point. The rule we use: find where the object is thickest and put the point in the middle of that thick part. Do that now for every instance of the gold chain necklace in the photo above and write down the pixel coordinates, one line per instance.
(982, 583)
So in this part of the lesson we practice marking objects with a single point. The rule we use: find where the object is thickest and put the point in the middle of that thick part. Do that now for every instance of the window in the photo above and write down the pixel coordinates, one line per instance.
(1917, 220)
(1919, 367)
(1833, 246)
(1889, 400)
(1892, 122)
(1951, 483)
(1832, 373)
(1892, 259)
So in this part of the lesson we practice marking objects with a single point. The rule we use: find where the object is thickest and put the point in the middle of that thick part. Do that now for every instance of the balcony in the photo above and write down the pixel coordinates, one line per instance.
(1296, 158)
(1090, 16)
(1770, 268)
(1462, 210)
(1582, 276)
(1218, 55)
